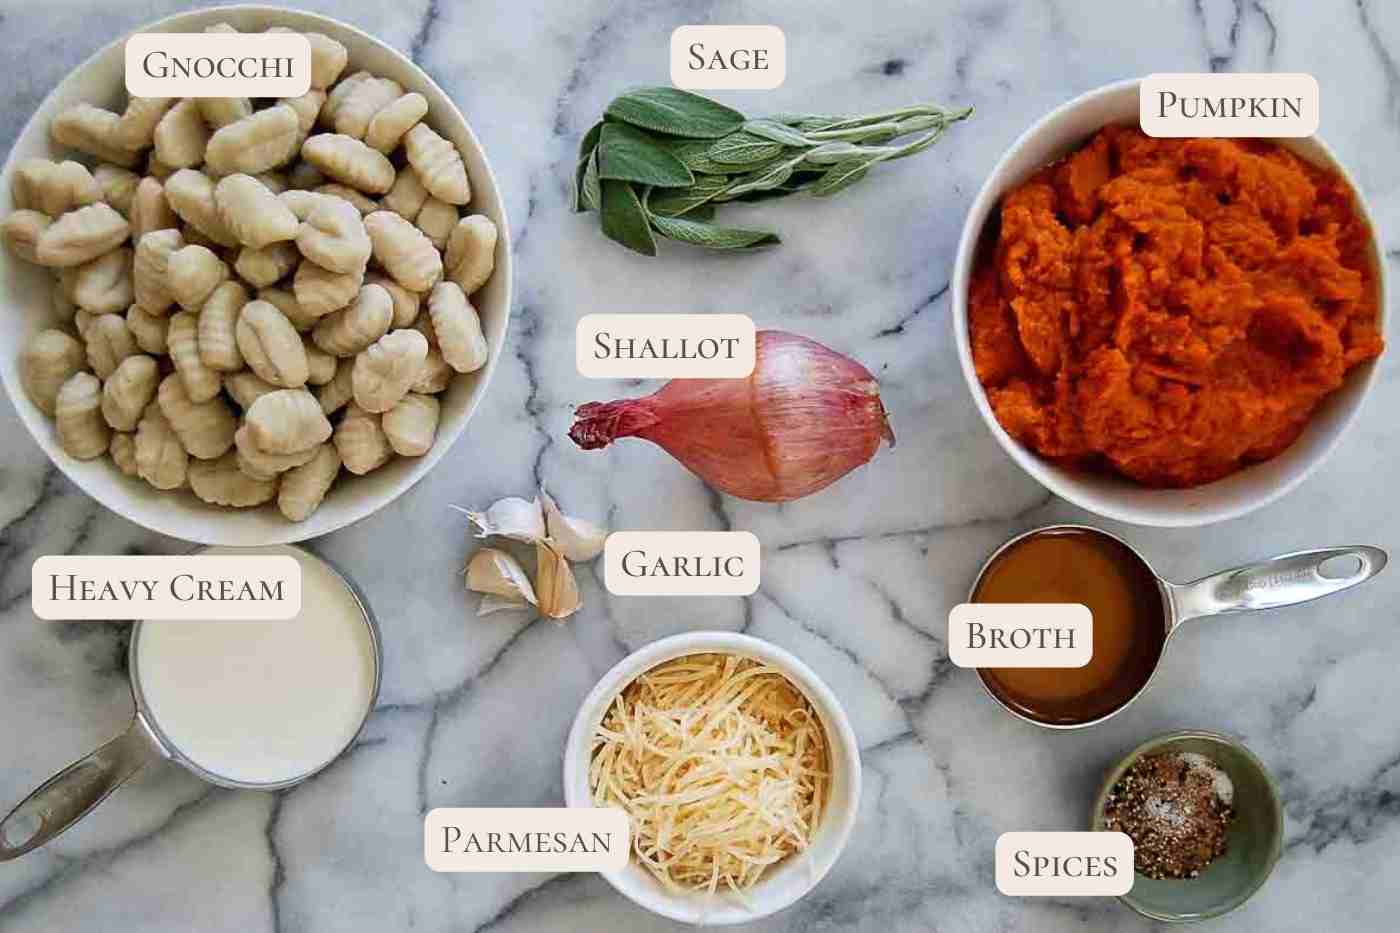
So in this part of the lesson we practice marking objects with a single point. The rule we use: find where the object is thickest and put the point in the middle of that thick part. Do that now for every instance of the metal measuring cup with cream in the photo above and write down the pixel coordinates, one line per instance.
(256, 705)
(1135, 612)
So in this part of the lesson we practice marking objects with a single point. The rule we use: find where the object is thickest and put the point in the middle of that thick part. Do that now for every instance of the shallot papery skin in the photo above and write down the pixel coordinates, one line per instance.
(803, 419)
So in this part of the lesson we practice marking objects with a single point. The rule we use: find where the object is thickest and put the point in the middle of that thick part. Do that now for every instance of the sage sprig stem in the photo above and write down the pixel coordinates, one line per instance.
(661, 158)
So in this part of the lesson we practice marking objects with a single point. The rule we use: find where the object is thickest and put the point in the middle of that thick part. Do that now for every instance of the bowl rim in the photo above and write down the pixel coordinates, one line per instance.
(1167, 738)
(829, 710)
(293, 532)
(1047, 474)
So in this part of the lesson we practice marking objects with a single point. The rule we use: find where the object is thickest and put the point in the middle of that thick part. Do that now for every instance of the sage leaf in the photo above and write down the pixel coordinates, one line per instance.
(840, 177)
(777, 132)
(591, 193)
(695, 154)
(585, 154)
(744, 149)
(673, 202)
(712, 236)
(624, 219)
(628, 154)
(675, 112)
(762, 180)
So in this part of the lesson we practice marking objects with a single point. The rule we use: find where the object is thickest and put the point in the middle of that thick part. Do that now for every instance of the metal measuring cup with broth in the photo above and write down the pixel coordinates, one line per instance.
(1135, 611)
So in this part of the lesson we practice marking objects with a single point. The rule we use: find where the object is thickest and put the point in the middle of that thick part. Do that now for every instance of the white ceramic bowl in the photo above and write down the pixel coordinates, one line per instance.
(792, 878)
(25, 289)
(1058, 133)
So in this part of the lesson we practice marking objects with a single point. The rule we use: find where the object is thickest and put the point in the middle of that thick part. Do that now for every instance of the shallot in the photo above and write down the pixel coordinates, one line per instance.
(803, 419)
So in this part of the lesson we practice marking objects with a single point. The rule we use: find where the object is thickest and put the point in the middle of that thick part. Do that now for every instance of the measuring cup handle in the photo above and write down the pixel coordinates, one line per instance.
(1282, 581)
(67, 797)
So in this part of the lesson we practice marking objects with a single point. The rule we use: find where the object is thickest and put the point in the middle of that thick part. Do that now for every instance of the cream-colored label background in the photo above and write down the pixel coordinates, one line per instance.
(1072, 616)
(1229, 85)
(725, 39)
(216, 46)
(673, 327)
(504, 820)
(692, 544)
(1082, 844)
(165, 573)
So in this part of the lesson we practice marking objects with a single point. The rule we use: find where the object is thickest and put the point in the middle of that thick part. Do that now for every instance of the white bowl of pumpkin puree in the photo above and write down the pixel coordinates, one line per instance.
(1167, 332)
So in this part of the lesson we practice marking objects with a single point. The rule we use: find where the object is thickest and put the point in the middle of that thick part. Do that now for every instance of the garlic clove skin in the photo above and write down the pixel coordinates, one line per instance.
(558, 590)
(575, 538)
(511, 517)
(490, 603)
(496, 573)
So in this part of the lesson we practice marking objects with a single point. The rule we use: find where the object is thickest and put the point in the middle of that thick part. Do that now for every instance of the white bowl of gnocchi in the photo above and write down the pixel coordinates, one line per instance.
(244, 322)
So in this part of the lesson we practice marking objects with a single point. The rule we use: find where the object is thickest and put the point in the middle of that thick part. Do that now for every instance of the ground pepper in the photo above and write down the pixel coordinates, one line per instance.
(1177, 808)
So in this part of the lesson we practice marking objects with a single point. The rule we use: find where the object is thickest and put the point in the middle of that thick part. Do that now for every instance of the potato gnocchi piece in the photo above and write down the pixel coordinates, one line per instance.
(153, 252)
(219, 112)
(434, 375)
(64, 309)
(307, 107)
(246, 387)
(127, 392)
(260, 464)
(304, 487)
(301, 203)
(407, 196)
(123, 452)
(48, 360)
(271, 346)
(149, 209)
(108, 343)
(438, 164)
(53, 188)
(386, 369)
(328, 57)
(253, 214)
(221, 482)
(321, 292)
(118, 186)
(276, 182)
(348, 160)
(336, 96)
(403, 251)
(181, 135)
(471, 252)
(136, 127)
(358, 108)
(411, 425)
(348, 331)
(205, 428)
(192, 273)
(458, 328)
(393, 120)
(147, 329)
(333, 237)
(334, 395)
(190, 195)
(81, 235)
(320, 365)
(182, 340)
(304, 177)
(287, 303)
(92, 130)
(215, 331)
(437, 219)
(104, 285)
(21, 231)
(257, 143)
(161, 458)
(263, 267)
(287, 421)
(361, 442)
(78, 417)
(157, 169)
(361, 203)
(405, 301)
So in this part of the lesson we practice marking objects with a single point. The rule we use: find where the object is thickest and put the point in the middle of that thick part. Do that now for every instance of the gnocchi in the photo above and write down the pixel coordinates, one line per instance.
(385, 370)
(271, 346)
(149, 209)
(152, 263)
(258, 142)
(81, 235)
(348, 160)
(263, 267)
(128, 391)
(104, 286)
(333, 236)
(404, 252)
(192, 273)
(438, 164)
(457, 327)
(161, 458)
(221, 482)
(303, 487)
(348, 331)
(215, 330)
(252, 213)
(411, 425)
(205, 428)
(471, 252)
(190, 195)
(181, 135)
(182, 340)
(48, 360)
(78, 417)
(320, 291)
(92, 130)
(286, 421)
(108, 343)
(361, 442)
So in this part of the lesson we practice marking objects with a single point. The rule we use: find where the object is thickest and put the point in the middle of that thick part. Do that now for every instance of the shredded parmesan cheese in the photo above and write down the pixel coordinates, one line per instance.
(721, 765)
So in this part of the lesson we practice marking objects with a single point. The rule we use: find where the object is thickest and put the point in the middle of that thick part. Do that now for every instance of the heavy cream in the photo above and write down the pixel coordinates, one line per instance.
(262, 702)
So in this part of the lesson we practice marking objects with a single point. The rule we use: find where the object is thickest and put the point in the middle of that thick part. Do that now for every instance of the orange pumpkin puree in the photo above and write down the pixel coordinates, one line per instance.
(1172, 309)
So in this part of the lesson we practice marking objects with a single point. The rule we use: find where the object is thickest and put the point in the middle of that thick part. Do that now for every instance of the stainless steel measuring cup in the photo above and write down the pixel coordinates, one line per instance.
(72, 793)
(1285, 580)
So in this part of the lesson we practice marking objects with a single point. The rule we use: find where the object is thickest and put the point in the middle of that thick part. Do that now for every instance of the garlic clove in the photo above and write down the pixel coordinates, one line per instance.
(497, 573)
(555, 582)
(511, 517)
(575, 538)
(490, 603)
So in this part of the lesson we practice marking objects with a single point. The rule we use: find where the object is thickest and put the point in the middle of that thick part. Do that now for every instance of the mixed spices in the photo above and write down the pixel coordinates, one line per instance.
(1177, 807)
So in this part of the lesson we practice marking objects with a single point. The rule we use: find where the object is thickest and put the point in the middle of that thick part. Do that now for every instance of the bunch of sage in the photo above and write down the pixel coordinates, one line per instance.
(662, 158)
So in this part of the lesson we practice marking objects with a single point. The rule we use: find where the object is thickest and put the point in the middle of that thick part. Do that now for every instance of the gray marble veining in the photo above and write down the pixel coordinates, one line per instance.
(857, 579)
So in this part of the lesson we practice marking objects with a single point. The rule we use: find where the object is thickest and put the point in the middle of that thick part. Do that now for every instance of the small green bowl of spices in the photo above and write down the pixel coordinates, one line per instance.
(1205, 819)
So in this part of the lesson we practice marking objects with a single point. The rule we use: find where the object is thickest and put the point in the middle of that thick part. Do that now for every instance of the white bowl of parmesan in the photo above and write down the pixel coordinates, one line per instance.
(736, 766)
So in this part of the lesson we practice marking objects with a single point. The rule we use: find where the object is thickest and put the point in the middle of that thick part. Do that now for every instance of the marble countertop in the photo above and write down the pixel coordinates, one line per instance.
(857, 580)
